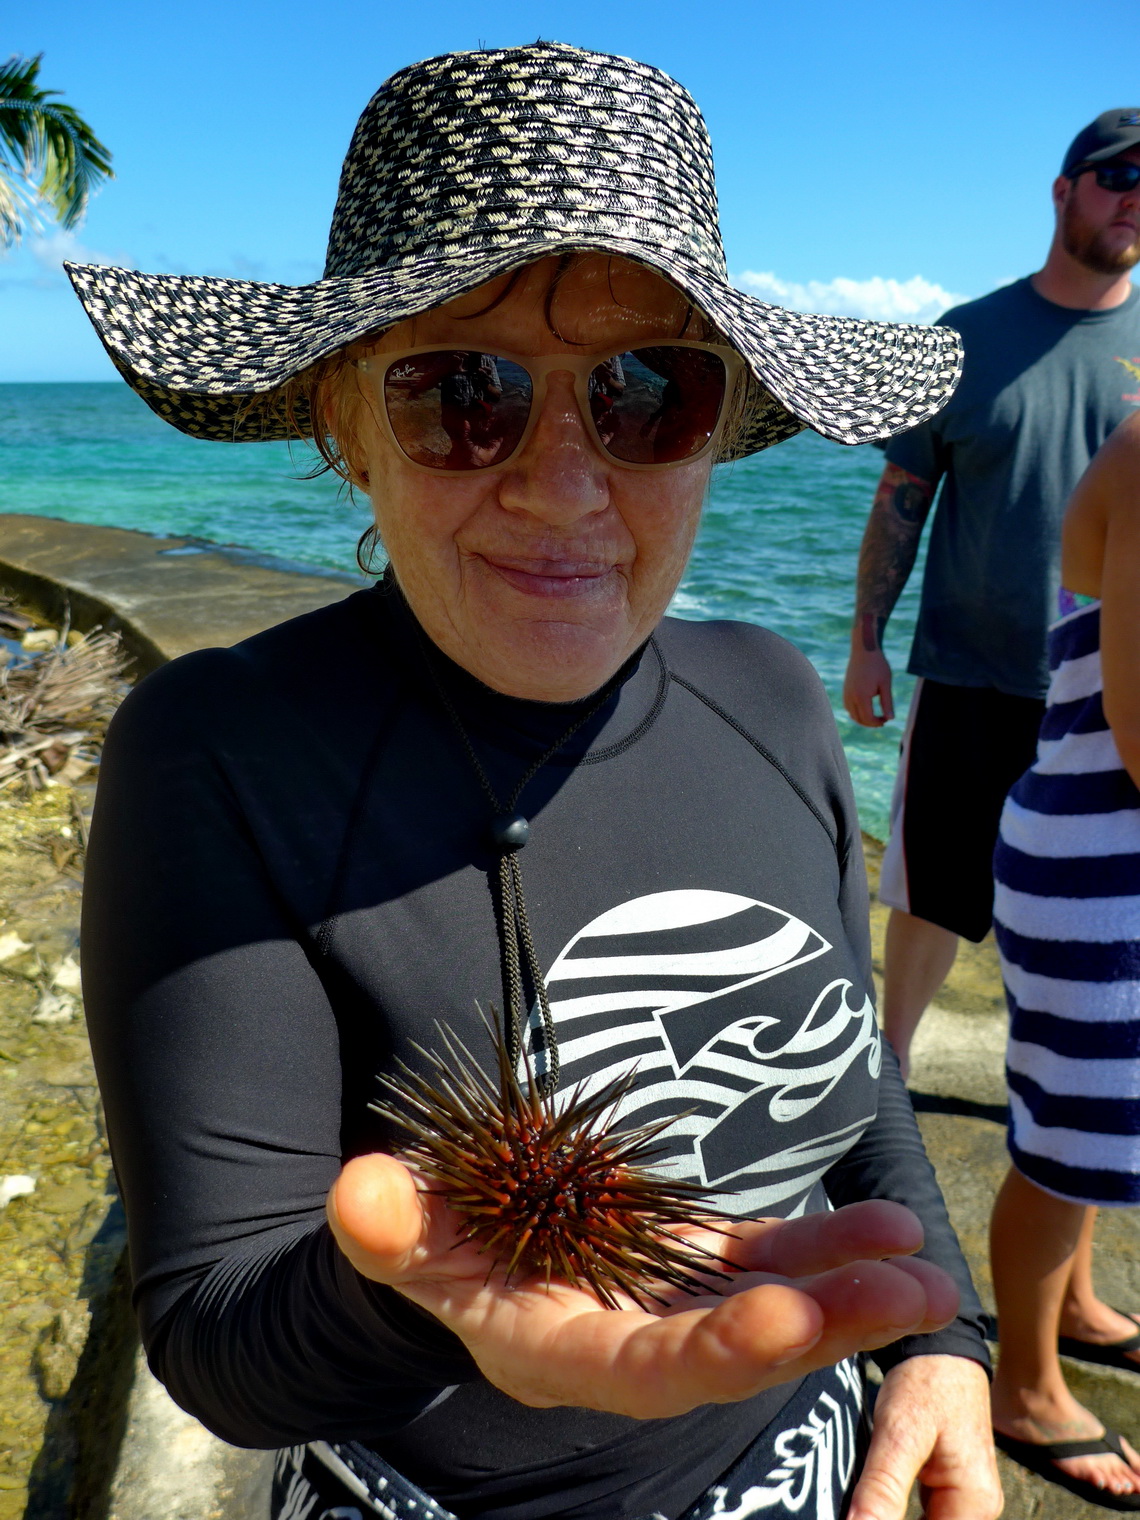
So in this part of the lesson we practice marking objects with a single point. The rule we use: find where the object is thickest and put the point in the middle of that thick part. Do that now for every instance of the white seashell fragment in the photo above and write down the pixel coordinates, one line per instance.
(15, 1187)
(12, 945)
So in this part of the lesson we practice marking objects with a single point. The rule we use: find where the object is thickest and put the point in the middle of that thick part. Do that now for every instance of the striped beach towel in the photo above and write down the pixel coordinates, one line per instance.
(1067, 921)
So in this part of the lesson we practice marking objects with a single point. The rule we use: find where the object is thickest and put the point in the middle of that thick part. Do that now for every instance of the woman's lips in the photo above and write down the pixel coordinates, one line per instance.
(550, 578)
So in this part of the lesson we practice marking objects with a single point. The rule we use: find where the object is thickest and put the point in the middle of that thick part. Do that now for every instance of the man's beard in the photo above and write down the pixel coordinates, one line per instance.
(1090, 245)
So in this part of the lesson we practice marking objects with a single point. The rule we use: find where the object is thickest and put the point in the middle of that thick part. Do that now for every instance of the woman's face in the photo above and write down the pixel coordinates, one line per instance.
(540, 576)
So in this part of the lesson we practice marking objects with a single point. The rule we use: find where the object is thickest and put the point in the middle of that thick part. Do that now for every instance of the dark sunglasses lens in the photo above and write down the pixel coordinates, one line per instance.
(1118, 177)
(457, 409)
(657, 405)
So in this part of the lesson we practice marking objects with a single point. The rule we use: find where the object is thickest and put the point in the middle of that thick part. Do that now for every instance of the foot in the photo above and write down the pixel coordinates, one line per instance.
(1041, 1420)
(1099, 1325)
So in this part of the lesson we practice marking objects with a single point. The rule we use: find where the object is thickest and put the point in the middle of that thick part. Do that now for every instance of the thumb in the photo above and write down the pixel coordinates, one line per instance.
(376, 1216)
(894, 1459)
(886, 697)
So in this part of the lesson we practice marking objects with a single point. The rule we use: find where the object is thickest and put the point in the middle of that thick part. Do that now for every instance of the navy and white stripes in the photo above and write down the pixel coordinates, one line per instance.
(1067, 919)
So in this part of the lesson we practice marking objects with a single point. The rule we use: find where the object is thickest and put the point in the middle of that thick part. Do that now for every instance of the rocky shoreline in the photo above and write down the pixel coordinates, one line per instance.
(61, 1237)
(68, 1355)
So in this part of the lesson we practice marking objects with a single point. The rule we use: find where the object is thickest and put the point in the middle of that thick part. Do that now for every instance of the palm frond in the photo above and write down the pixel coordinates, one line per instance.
(47, 145)
(11, 217)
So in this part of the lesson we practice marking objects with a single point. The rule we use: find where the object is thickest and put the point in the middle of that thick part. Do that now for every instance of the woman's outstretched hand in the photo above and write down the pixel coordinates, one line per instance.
(809, 1293)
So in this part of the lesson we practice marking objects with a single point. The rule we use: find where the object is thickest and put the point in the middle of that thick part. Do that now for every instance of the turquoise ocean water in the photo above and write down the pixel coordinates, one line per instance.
(777, 546)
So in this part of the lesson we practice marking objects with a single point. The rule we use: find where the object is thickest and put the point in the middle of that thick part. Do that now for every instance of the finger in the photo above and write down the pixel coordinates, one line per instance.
(378, 1217)
(889, 1473)
(943, 1299)
(632, 1363)
(853, 702)
(886, 697)
(816, 1243)
(766, 1335)
(867, 1304)
(727, 1353)
(866, 705)
(555, 1348)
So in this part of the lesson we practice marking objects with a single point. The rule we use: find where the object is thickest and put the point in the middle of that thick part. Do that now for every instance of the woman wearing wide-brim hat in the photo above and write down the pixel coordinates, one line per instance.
(307, 861)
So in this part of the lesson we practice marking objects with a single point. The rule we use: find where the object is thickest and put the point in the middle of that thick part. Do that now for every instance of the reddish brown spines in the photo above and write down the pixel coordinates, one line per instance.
(547, 1191)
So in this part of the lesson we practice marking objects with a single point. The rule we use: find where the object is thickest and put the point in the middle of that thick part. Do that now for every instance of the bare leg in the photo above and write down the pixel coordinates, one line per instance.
(917, 961)
(1084, 1314)
(1034, 1239)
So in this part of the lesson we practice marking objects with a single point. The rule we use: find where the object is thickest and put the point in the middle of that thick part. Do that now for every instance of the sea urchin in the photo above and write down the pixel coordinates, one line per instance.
(551, 1191)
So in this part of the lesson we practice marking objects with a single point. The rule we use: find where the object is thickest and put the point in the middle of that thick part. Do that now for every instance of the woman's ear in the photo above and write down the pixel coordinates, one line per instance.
(339, 402)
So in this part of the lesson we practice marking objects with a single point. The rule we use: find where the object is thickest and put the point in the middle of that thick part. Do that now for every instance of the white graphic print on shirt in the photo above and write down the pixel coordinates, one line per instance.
(677, 968)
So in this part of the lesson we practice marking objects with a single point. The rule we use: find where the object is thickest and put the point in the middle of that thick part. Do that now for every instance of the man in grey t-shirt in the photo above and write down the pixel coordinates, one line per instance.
(1052, 366)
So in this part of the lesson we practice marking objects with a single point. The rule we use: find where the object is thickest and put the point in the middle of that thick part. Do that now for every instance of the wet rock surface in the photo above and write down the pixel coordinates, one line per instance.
(61, 1236)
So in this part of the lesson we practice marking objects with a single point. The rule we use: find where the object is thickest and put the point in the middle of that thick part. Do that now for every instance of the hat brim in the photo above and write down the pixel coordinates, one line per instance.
(200, 349)
(1102, 155)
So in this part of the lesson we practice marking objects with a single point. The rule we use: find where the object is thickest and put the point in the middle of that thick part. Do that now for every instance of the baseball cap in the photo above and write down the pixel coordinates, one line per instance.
(1111, 133)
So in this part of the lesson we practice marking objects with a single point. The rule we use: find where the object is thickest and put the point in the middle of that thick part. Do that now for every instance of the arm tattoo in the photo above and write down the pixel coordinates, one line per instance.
(890, 545)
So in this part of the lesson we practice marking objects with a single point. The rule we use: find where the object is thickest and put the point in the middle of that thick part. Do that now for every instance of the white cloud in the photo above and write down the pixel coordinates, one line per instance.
(913, 300)
(49, 249)
(37, 262)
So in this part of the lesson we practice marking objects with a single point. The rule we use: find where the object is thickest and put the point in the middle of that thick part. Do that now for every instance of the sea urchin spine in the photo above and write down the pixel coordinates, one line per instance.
(551, 1191)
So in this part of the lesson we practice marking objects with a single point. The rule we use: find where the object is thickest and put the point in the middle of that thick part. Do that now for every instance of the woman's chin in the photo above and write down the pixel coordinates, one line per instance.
(552, 660)
(543, 646)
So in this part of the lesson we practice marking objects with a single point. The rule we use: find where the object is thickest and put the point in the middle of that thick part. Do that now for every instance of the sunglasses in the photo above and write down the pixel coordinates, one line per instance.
(647, 408)
(1118, 178)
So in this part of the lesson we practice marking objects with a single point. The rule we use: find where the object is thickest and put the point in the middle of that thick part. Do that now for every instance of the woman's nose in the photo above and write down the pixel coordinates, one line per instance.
(560, 476)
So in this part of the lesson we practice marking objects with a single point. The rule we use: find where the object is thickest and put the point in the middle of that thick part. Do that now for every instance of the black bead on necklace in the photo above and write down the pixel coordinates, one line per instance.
(509, 831)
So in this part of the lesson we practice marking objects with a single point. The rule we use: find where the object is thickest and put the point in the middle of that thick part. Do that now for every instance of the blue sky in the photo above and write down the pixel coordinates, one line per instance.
(874, 158)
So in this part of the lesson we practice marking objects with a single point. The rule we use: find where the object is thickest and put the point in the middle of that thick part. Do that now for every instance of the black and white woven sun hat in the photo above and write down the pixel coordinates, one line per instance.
(469, 165)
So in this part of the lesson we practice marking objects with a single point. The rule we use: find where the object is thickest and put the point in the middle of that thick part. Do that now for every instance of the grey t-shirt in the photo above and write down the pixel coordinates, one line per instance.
(1043, 387)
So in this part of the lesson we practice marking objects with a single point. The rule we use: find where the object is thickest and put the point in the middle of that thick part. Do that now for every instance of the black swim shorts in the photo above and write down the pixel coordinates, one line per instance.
(963, 749)
(805, 1463)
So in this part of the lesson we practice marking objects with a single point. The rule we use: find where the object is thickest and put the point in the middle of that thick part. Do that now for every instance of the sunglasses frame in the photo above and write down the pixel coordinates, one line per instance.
(1099, 169)
(539, 366)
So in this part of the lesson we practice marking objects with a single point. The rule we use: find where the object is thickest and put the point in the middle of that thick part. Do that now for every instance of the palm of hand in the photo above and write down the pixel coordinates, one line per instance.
(808, 1293)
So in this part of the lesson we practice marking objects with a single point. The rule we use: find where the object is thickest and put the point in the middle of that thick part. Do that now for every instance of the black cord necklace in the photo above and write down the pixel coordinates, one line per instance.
(509, 832)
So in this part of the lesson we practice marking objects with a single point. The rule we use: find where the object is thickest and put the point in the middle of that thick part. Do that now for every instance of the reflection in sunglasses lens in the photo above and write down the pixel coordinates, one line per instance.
(457, 409)
(657, 405)
(1118, 178)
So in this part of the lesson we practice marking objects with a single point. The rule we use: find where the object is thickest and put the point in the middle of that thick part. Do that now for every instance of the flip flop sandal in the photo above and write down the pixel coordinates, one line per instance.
(1041, 1459)
(1114, 1354)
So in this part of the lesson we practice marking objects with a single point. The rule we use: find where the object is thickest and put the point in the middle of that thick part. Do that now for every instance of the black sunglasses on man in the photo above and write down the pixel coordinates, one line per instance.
(1118, 178)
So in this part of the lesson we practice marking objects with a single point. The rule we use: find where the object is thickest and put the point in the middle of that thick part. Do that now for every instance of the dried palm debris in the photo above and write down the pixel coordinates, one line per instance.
(55, 706)
(13, 624)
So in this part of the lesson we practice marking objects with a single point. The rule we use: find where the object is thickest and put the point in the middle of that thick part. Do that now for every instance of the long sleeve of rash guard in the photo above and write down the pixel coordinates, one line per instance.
(217, 1053)
(890, 1161)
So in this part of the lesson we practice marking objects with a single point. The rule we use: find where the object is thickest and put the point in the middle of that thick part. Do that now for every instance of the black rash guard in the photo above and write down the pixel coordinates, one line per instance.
(289, 883)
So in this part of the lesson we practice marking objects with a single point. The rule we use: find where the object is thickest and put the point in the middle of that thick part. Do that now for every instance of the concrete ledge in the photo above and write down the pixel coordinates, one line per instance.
(170, 1468)
(166, 596)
